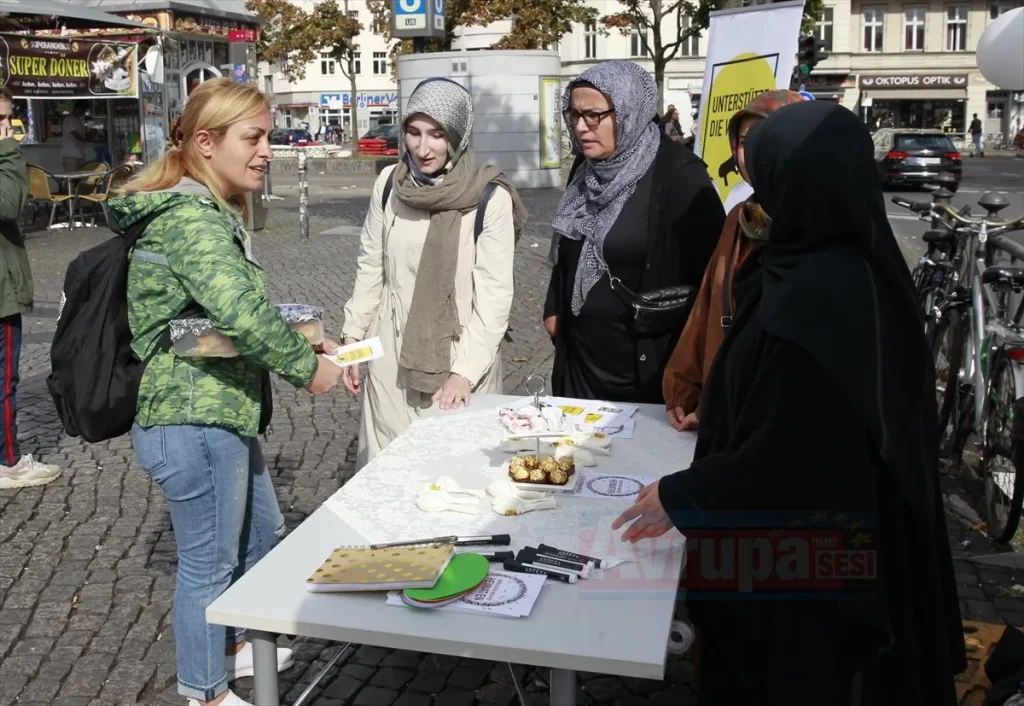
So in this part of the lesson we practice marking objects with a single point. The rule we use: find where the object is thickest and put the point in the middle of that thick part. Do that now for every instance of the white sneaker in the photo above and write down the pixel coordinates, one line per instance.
(240, 665)
(27, 472)
(232, 699)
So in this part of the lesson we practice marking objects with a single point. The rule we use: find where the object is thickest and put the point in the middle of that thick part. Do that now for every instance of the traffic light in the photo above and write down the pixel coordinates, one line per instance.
(812, 51)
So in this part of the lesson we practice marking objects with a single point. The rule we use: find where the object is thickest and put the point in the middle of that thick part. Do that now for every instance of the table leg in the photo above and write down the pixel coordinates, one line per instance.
(563, 687)
(71, 205)
(264, 654)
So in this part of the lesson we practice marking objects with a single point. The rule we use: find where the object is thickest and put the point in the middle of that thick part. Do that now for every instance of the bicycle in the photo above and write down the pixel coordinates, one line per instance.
(990, 374)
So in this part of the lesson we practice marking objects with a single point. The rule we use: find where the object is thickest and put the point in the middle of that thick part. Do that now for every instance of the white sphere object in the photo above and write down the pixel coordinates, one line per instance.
(1001, 51)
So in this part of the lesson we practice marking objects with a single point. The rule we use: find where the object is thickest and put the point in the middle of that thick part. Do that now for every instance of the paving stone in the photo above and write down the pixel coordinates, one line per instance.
(358, 671)
(454, 697)
(439, 663)
(643, 687)
(369, 656)
(390, 678)
(680, 672)
(375, 696)
(499, 694)
(605, 689)
(463, 677)
(402, 659)
(328, 702)
(343, 688)
(1012, 617)
(980, 610)
(412, 699)
(632, 700)
(428, 682)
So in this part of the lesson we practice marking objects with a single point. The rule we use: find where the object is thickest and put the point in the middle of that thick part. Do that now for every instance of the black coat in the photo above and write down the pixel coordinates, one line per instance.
(685, 220)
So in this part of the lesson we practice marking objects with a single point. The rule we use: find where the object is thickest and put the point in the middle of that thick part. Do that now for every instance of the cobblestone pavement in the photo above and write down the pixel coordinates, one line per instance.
(87, 563)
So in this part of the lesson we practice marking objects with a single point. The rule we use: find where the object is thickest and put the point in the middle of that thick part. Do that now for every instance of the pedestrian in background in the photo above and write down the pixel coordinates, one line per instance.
(16, 470)
(72, 137)
(639, 215)
(976, 131)
(670, 124)
(820, 413)
(196, 427)
(746, 228)
(436, 294)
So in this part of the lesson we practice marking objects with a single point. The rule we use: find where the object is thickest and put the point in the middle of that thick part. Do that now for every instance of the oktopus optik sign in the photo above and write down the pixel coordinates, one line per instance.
(417, 18)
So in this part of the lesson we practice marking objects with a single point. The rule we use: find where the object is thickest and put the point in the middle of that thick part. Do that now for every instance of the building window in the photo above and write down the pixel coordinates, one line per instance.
(997, 10)
(956, 28)
(913, 29)
(380, 63)
(874, 28)
(590, 40)
(357, 64)
(823, 28)
(326, 64)
(690, 45)
(353, 14)
(638, 42)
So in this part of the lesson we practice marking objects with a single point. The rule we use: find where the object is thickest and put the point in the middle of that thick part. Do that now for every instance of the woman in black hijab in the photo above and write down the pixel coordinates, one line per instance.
(821, 404)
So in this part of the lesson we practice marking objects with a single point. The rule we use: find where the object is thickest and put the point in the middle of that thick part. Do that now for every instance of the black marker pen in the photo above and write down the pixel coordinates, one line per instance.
(553, 574)
(499, 556)
(529, 555)
(570, 556)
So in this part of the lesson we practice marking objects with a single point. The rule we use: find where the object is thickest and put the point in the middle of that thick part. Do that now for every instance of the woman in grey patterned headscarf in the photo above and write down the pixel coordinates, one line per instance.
(638, 208)
(437, 293)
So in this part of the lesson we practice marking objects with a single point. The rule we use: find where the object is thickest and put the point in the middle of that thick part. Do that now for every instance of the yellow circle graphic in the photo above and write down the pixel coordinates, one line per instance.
(735, 84)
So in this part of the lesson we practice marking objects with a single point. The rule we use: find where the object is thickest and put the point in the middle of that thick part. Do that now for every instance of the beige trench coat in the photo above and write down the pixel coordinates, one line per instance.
(389, 254)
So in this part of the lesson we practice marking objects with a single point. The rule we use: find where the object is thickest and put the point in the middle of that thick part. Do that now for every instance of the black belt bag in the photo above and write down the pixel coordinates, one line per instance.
(658, 311)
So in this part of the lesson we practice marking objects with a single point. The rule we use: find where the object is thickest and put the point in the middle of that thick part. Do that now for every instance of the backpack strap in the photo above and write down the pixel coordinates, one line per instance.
(481, 209)
(387, 191)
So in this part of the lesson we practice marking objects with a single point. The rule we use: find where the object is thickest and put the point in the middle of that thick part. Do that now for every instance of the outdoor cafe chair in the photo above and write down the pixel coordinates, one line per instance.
(40, 192)
(108, 183)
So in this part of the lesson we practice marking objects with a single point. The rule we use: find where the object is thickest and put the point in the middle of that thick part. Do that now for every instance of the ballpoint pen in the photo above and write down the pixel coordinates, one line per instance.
(476, 540)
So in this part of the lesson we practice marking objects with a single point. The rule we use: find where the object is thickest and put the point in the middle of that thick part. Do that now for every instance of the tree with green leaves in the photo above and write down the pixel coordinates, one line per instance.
(293, 38)
(536, 24)
(665, 25)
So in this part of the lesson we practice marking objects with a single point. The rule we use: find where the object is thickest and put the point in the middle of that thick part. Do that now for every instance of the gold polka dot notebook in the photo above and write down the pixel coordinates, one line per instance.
(393, 568)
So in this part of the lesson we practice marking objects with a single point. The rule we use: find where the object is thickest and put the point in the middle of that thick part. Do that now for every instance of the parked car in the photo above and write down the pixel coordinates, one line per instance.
(291, 136)
(382, 140)
(913, 157)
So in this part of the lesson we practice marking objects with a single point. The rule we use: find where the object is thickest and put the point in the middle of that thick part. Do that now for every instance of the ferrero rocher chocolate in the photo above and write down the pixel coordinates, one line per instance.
(567, 465)
(548, 464)
(558, 477)
(531, 462)
(517, 462)
(538, 476)
(519, 474)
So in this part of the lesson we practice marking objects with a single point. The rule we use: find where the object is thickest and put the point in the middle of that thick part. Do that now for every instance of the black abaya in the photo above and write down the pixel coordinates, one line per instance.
(820, 401)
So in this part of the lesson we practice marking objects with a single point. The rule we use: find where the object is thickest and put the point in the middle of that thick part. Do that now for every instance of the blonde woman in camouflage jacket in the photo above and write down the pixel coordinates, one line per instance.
(198, 418)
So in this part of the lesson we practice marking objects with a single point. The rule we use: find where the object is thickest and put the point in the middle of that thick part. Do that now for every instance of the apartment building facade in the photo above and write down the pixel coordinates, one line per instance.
(323, 96)
(900, 63)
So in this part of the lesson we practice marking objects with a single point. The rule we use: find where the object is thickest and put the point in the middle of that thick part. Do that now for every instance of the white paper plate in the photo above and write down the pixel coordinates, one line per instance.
(569, 486)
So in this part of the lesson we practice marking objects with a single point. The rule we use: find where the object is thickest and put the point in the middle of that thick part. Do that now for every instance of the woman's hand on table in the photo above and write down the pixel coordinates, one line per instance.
(453, 393)
(648, 516)
(681, 421)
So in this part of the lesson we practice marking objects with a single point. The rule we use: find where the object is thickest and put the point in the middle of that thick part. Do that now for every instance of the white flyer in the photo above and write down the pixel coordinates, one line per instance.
(625, 431)
(587, 415)
(595, 484)
(503, 593)
(358, 352)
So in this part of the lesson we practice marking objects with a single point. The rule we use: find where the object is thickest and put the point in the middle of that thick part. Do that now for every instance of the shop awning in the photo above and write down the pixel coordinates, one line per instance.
(909, 94)
(21, 15)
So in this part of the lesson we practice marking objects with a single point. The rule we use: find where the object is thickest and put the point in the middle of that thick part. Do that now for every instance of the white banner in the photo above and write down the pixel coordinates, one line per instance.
(750, 50)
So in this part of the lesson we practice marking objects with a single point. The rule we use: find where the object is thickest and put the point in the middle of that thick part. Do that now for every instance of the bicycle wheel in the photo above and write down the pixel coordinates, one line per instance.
(1004, 482)
(948, 353)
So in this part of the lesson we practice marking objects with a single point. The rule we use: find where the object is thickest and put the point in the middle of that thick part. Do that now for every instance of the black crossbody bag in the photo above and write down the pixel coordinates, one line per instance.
(658, 311)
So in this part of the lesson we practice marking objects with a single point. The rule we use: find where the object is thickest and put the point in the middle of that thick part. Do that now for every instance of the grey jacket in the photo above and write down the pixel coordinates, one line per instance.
(15, 273)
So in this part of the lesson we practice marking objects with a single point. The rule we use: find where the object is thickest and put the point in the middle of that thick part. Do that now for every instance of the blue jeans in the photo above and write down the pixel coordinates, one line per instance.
(225, 517)
(10, 352)
(976, 139)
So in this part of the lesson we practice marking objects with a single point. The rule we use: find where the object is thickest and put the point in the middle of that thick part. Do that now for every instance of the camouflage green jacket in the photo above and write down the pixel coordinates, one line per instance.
(197, 251)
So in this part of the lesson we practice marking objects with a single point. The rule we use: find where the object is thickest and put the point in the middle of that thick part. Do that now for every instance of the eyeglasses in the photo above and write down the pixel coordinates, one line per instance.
(591, 118)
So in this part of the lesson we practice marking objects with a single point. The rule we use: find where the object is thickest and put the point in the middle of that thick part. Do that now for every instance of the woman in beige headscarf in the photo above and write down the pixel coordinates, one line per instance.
(437, 295)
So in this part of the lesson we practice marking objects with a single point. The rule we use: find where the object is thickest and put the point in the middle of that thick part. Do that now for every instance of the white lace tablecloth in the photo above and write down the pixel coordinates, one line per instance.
(379, 502)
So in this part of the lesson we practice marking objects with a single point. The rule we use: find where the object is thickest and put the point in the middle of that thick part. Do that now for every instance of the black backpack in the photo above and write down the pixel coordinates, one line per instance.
(95, 375)
(478, 224)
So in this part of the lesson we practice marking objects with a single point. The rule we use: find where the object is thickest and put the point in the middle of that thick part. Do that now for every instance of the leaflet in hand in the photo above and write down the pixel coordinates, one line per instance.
(359, 352)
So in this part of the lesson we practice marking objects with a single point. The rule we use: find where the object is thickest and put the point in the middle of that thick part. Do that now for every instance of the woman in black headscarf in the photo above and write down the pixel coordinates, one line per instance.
(820, 405)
